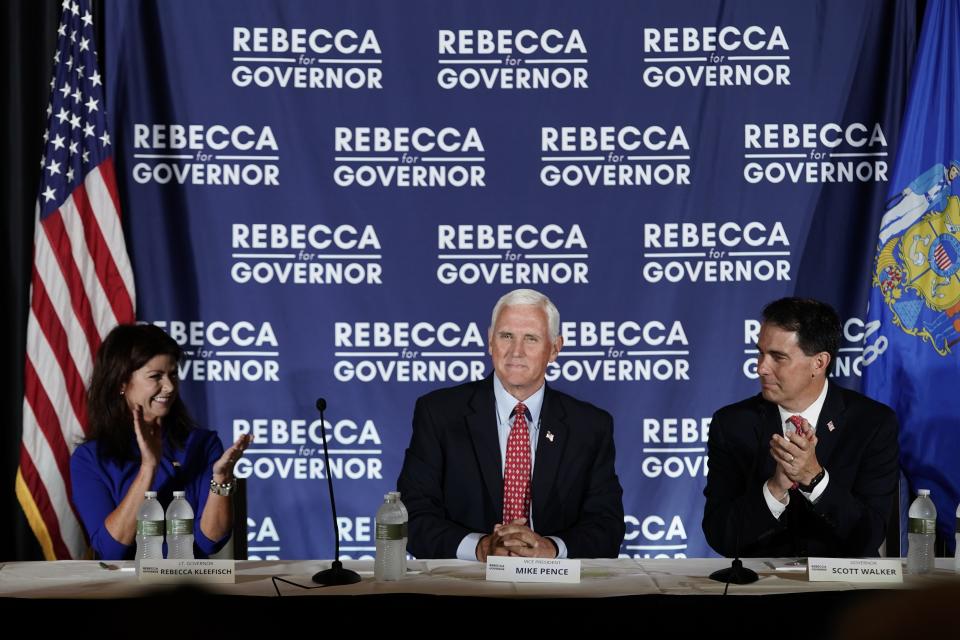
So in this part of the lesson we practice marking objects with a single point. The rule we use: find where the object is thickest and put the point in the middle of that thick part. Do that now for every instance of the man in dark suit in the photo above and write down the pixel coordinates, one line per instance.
(805, 468)
(508, 466)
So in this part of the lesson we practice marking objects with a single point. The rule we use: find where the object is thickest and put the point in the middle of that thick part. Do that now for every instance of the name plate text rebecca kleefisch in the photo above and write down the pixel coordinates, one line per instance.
(207, 571)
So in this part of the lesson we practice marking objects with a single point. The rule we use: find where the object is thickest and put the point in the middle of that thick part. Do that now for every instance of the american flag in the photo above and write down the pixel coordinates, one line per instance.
(82, 283)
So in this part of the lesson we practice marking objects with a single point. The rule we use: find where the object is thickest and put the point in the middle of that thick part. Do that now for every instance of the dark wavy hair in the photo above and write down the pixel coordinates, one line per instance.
(110, 421)
(816, 323)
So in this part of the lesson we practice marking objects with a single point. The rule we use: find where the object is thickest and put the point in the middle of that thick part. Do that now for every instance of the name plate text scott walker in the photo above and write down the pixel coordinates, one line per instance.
(854, 570)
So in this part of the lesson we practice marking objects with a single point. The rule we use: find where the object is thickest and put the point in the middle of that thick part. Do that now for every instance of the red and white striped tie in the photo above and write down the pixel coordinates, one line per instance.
(516, 473)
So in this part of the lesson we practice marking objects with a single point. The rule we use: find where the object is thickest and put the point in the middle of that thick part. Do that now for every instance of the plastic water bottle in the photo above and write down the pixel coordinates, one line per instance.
(406, 520)
(179, 528)
(921, 533)
(391, 540)
(956, 554)
(150, 528)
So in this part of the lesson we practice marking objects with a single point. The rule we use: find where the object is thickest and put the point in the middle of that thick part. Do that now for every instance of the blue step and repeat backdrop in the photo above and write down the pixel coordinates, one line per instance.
(326, 199)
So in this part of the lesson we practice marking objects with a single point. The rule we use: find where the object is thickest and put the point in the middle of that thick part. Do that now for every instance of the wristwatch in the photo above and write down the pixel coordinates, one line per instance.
(808, 488)
(224, 488)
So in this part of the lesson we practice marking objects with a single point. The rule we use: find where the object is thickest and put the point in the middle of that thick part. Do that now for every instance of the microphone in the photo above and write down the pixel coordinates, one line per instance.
(736, 572)
(336, 574)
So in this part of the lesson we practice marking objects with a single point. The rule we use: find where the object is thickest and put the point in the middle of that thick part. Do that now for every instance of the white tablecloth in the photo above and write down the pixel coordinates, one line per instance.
(599, 578)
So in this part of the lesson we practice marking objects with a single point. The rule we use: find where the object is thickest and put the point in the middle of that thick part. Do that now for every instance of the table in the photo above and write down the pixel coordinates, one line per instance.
(643, 595)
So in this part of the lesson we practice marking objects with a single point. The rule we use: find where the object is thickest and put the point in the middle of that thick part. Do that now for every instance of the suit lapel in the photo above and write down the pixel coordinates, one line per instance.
(769, 425)
(832, 413)
(482, 425)
(549, 453)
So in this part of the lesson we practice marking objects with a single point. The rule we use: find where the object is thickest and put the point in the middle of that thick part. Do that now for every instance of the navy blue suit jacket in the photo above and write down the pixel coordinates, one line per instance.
(849, 519)
(452, 479)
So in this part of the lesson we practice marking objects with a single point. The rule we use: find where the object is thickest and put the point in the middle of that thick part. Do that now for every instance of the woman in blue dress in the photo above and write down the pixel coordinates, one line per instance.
(141, 438)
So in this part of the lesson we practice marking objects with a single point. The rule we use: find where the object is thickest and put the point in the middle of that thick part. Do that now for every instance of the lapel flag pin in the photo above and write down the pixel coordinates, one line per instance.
(830, 426)
(550, 436)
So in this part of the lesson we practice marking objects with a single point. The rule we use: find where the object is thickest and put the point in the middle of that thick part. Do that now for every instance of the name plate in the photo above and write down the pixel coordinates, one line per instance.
(854, 570)
(204, 571)
(511, 569)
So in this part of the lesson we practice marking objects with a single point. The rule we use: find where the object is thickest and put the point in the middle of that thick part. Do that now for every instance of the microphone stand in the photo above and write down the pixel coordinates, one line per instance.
(736, 573)
(336, 574)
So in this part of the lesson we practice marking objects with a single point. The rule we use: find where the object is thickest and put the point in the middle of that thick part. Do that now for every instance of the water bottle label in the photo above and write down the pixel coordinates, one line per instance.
(391, 531)
(922, 525)
(180, 526)
(149, 527)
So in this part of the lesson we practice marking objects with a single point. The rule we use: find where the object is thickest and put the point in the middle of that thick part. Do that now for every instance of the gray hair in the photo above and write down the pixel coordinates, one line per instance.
(532, 298)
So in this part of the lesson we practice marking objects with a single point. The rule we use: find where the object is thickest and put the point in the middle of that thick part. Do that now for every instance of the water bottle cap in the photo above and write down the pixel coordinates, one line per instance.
(179, 494)
(149, 494)
(923, 492)
(396, 494)
(389, 497)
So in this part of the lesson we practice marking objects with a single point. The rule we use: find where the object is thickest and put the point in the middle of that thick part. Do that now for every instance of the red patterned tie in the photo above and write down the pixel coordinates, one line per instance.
(797, 422)
(516, 473)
